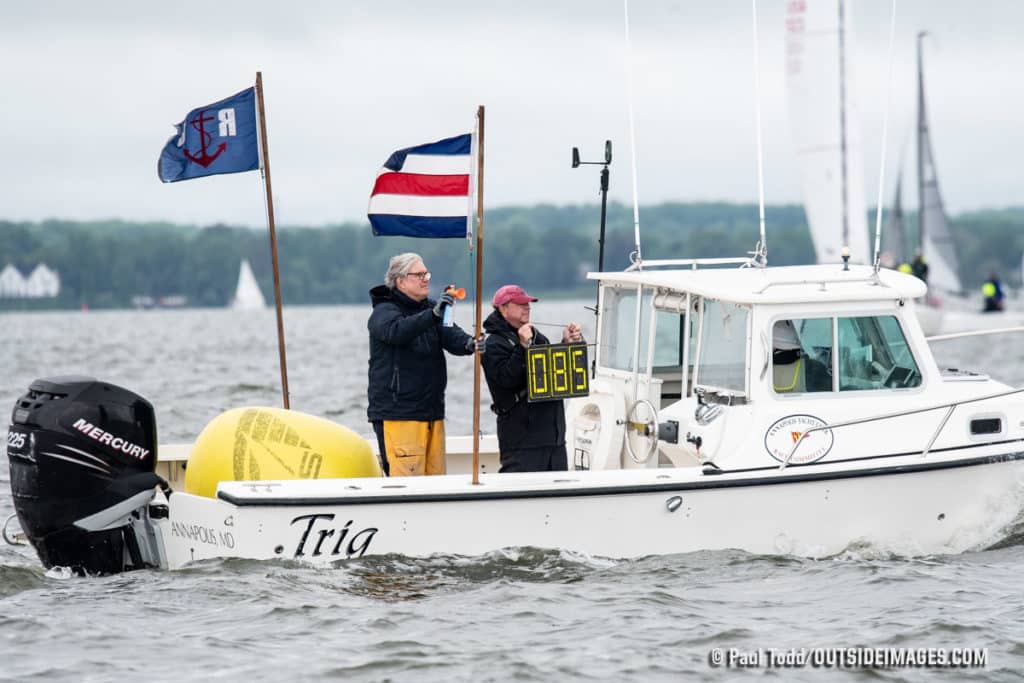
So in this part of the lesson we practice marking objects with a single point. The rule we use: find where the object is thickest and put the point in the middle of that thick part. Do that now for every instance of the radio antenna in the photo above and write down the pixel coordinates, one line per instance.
(761, 251)
(636, 256)
(885, 134)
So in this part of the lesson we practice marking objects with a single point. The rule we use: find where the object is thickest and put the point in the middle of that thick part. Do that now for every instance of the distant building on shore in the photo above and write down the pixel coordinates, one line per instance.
(42, 283)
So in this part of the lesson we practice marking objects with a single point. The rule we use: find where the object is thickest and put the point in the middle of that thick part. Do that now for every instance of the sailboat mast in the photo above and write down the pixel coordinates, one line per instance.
(844, 162)
(922, 129)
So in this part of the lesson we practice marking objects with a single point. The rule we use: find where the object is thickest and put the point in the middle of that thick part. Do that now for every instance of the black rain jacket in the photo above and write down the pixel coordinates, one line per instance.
(408, 373)
(520, 424)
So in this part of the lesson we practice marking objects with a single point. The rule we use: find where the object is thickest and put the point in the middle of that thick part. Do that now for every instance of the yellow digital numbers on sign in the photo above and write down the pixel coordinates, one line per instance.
(556, 371)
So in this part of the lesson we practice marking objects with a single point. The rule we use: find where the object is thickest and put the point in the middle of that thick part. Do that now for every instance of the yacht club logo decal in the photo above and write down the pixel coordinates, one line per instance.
(784, 434)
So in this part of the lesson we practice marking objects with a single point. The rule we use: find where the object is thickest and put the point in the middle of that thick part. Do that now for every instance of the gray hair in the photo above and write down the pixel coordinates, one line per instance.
(399, 266)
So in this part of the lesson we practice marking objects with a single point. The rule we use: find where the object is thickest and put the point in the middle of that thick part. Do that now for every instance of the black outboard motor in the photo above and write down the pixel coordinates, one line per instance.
(83, 458)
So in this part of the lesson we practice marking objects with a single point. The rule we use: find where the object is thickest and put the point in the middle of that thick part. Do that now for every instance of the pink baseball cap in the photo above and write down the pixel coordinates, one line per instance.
(513, 293)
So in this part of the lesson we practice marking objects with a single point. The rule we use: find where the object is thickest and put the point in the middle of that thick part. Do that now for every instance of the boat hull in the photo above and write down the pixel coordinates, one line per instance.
(911, 505)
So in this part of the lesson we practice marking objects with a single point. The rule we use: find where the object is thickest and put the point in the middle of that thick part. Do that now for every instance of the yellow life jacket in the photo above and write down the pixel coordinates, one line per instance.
(778, 375)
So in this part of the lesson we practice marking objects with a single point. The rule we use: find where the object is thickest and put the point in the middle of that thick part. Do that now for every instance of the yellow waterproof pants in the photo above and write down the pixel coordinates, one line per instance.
(414, 448)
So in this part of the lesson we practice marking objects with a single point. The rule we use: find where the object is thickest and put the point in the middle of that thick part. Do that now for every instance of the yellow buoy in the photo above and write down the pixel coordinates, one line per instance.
(259, 444)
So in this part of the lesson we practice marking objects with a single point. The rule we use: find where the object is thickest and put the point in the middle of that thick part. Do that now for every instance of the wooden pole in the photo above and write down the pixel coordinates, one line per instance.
(479, 289)
(273, 237)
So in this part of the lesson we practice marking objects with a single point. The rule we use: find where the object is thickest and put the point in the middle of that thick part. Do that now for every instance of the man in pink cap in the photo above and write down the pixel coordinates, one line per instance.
(531, 436)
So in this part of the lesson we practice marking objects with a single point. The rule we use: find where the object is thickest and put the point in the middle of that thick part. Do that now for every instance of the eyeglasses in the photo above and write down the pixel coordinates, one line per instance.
(424, 276)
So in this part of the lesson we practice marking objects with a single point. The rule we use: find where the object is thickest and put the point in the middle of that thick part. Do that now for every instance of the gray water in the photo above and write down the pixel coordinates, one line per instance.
(521, 614)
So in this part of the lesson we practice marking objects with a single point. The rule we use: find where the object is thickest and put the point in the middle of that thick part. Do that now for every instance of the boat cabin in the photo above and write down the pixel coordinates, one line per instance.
(755, 367)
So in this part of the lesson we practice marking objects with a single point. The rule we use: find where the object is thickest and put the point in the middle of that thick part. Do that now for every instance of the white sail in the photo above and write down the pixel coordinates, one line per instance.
(824, 119)
(247, 295)
(934, 234)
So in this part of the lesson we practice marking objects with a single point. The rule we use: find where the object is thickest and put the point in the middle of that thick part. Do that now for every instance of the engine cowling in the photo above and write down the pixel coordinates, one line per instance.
(82, 456)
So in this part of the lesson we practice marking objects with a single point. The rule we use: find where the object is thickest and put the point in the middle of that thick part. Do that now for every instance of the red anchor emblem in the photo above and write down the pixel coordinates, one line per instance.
(204, 158)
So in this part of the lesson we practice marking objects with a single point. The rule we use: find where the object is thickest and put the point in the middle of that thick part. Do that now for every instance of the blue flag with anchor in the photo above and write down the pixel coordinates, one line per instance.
(218, 138)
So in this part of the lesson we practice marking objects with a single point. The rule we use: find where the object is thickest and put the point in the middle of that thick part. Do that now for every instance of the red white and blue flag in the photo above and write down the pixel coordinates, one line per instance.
(424, 191)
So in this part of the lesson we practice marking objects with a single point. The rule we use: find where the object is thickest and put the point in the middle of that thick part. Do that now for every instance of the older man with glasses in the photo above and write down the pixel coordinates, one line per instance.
(408, 373)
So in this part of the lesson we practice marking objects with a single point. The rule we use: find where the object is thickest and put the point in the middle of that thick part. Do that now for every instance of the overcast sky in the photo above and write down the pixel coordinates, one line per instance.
(91, 91)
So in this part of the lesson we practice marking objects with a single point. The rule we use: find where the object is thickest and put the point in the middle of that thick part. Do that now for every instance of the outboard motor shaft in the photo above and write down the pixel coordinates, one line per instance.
(83, 458)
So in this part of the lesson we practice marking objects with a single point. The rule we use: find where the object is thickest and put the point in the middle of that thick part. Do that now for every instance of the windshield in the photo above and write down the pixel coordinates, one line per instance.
(723, 347)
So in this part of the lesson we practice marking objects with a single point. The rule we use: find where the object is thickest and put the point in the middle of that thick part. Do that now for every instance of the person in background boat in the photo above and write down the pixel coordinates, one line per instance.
(793, 371)
(919, 267)
(408, 373)
(531, 436)
(992, 292)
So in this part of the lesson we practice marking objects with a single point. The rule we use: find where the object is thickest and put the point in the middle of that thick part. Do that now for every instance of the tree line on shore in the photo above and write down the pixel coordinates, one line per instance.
(107, 264)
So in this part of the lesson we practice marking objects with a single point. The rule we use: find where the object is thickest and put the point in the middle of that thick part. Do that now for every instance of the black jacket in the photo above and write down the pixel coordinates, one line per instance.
(520, 424)
(408, 373)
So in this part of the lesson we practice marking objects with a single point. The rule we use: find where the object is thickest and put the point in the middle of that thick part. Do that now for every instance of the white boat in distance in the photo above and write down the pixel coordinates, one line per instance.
(692, 438)
(247, 293)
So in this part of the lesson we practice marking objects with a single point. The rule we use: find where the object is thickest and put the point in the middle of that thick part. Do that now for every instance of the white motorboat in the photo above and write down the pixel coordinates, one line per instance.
(692, 437)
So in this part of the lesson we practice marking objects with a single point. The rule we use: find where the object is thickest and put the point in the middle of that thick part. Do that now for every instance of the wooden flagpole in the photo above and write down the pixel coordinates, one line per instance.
(273, 237)
(479, 290)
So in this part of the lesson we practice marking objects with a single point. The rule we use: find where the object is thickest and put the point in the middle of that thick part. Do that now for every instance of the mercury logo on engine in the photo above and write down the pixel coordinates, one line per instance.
(107, 439)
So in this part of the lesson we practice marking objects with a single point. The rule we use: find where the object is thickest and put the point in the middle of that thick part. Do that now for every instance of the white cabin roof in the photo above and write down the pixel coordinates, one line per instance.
(778, 285)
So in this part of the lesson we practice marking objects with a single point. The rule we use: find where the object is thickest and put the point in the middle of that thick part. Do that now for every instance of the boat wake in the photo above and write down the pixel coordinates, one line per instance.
(1014, 536)
(15, 579)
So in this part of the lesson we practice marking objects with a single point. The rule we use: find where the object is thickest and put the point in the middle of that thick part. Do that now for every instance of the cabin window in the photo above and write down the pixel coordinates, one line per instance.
(723, 347)
(668, 345)
(874, 354)
(802, 355)
(986, 425)
(871, 352)
(618, 328)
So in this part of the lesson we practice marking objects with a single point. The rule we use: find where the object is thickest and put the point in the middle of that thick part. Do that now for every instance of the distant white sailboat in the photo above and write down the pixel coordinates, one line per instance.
(247, 294)
(934, 235)
(824, 120)
(953, 314)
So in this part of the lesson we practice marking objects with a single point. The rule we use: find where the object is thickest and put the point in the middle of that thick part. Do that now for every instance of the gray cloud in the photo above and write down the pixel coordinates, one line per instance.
(91, 91)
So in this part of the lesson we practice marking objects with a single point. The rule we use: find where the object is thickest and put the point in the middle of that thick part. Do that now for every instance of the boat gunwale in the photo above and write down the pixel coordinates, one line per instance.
(716, 481)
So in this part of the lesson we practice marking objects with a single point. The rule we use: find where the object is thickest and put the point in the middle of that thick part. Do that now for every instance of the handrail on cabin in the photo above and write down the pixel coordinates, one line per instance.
(935, 435)
(973, 333)
(692, 262)
(821, 282)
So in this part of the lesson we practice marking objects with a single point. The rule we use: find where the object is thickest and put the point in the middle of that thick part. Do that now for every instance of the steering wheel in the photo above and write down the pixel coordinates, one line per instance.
(899, 376)
(646, 429)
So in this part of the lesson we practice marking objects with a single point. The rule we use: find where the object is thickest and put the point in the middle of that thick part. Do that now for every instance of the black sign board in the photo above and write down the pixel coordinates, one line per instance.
(556, 371)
